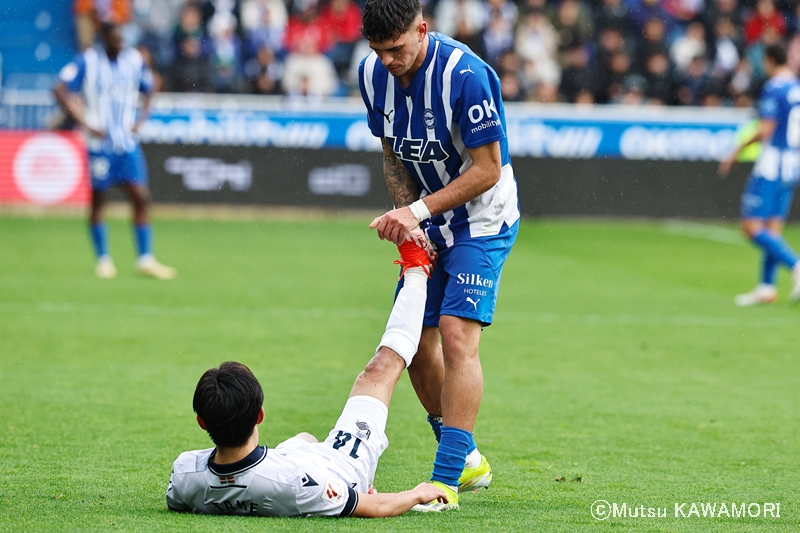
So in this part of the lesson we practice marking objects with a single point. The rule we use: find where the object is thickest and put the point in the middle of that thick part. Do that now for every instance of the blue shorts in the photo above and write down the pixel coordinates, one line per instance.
(466, 279)
(766, 199)
(109, 168)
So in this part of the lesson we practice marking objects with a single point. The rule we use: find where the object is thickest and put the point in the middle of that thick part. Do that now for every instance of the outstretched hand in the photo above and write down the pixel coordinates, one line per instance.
(427, 493)
(395, 225)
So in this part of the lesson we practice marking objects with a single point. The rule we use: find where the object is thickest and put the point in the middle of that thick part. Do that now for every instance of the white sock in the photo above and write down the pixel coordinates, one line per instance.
(144, 258)
(417, 277)
(404, 326)
(473, 459)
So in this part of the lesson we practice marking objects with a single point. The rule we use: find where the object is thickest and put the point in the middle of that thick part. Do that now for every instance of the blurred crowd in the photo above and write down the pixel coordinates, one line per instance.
(668, 52)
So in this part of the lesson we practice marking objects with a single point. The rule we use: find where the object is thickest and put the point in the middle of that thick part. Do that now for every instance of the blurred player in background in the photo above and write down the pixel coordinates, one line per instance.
(302, 476)
(436, 107)
(768, 194)
(109, 77)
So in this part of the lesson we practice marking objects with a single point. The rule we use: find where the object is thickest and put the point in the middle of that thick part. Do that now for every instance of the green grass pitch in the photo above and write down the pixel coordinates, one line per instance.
(617, 357)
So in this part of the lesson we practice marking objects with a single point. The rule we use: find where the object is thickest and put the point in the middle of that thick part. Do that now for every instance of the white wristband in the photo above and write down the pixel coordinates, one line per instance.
(420, 210)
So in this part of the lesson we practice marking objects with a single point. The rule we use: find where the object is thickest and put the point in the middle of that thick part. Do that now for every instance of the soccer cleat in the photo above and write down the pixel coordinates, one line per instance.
(105, 269)
(762, 294)
(476, 478)
(436, 506)
(150, 267)
(416, 251)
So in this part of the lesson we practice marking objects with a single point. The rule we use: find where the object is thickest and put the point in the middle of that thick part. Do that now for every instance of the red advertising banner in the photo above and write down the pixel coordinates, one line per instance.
(43, 168)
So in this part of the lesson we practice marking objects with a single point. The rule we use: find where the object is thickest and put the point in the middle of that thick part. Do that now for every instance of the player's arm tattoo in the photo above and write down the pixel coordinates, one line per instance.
(402, 186)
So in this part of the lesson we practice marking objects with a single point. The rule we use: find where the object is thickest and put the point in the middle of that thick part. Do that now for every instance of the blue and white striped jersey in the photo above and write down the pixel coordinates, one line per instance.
(452, 104)
(780, 158)
(111, 90)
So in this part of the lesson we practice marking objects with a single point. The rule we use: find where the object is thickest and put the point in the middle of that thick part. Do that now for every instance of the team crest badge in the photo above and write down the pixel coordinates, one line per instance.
(429, 118)
(363, 432)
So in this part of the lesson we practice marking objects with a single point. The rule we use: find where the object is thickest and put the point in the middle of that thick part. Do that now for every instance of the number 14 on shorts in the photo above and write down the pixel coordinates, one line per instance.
(343, 438)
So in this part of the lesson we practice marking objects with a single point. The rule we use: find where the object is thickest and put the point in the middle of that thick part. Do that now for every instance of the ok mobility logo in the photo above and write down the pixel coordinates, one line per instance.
(478, 113)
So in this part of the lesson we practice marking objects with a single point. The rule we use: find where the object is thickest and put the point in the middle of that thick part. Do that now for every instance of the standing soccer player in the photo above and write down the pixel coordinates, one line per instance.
(768, 194)
(437, 109)
(110, 77)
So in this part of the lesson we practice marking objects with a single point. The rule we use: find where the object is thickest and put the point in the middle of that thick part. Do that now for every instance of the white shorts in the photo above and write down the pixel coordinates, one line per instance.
(355, 444)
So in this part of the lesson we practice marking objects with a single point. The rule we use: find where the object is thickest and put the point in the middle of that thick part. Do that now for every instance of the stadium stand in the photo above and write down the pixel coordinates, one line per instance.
(663, 52)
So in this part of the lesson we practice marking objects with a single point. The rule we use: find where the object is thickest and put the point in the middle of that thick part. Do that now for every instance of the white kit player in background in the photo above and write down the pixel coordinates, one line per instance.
(301, 476)
(109, 78)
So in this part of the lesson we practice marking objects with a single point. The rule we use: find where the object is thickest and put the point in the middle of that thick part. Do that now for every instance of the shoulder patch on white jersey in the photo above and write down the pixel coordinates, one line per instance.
(335, 492)
(191, 462)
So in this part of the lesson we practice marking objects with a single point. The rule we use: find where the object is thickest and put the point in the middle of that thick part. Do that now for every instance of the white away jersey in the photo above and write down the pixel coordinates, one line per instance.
(111, 90)
(300, 480)
(452, 104)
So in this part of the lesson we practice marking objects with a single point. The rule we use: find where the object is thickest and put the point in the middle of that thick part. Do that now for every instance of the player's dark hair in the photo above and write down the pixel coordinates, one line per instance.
(387, 19)
(776, 53)
(228, 399)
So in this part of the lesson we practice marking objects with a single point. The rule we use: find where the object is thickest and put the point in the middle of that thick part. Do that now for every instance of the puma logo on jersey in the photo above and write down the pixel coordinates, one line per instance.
(468, 69)
(387, 116)
(417, 150)
(473, 302)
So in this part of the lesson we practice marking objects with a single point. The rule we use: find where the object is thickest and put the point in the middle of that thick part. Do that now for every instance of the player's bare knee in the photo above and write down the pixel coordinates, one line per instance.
(308, 437)
(750, 228)
(385, 362)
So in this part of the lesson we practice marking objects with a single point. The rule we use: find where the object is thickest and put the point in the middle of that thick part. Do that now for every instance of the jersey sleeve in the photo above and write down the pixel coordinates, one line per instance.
(768, 103)
(374, 127)
(174, 502)
(327, 496)
(73, 73)
(476, 105)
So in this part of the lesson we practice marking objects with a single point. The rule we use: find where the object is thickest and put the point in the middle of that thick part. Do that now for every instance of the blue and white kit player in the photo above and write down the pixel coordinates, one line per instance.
(109, 77)
(768, 194)
(437, 108)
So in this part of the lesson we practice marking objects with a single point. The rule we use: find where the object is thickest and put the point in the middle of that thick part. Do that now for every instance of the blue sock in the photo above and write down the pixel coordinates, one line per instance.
(436, 426)
(776, 247)
(99, 233)
(472, 446)
(451, 455)
(769, 268)
(144, 238)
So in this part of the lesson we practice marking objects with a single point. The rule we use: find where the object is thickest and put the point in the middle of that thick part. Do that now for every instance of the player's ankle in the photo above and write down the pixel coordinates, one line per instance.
(416, 277)
(473, 459)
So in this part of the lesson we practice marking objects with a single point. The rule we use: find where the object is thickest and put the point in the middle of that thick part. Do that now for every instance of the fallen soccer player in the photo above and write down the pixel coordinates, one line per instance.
(301, 476)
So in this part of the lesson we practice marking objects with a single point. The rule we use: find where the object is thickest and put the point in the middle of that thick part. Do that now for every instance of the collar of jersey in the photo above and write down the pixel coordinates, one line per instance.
(419, 76)
(255, 457)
